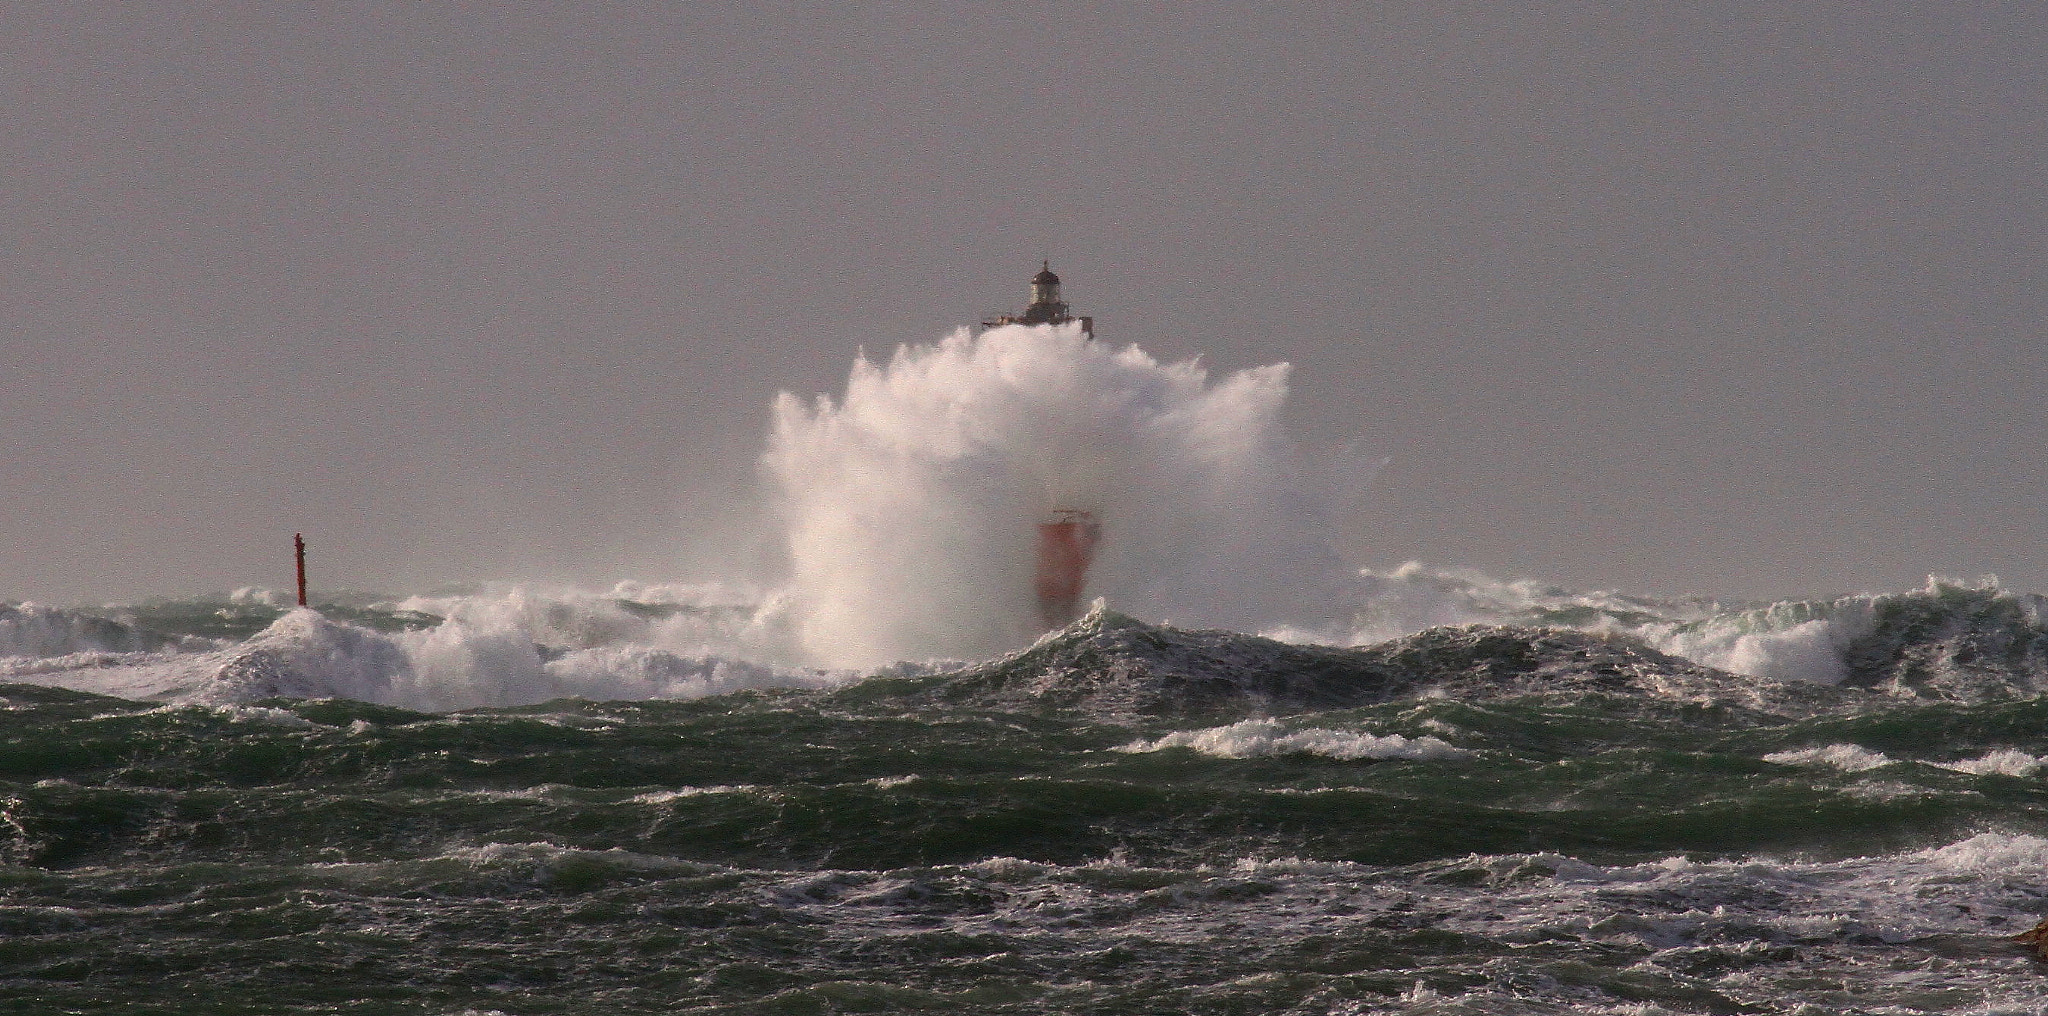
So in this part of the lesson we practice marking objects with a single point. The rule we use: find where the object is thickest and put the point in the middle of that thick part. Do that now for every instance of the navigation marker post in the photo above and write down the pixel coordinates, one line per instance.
(299, 545)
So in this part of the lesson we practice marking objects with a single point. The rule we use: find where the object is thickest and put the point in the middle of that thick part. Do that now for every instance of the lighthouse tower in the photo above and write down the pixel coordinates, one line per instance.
(1046, 307)
(1066, 535)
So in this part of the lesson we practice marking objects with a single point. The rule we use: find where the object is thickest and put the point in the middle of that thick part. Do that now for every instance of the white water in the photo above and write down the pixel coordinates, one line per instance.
(1786, 641)
(516, 644)
(504, 646)
(911, 503)
(1261, 737)
(1911, 932)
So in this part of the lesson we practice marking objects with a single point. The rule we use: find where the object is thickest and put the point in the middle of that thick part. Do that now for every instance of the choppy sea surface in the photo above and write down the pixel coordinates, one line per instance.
(1475, 797)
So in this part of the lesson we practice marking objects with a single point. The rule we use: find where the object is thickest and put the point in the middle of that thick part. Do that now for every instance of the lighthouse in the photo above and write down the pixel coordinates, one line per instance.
(1066, 535)
(1046, 307)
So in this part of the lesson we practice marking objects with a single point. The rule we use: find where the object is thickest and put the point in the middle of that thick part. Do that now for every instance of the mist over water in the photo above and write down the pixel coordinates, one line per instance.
(911, 503)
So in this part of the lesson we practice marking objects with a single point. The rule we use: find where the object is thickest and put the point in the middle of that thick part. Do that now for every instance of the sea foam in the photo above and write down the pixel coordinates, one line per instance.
(1850, 758)
(911, 503)
(501, 647)
(1261, 737)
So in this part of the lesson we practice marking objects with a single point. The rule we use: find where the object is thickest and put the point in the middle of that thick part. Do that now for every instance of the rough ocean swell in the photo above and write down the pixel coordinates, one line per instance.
(539, 801)
(869, 789)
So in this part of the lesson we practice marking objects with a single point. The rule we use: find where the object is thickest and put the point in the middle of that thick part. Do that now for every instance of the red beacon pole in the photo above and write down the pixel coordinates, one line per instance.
(299, 545)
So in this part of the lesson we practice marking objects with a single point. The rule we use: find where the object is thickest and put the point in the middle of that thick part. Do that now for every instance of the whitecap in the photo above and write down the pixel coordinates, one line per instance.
(1991, 852)
(1999, 762)
(1849, 758)
(1253, 738)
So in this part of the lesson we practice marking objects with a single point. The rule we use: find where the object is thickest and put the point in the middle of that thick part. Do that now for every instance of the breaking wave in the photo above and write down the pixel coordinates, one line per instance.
(498, 646)
(1255, 738)
(911, 503)
(1963, 640)
(1467, 636)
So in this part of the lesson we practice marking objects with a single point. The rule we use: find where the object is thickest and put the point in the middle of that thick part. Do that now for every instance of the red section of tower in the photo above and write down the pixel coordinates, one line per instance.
(1066, 546)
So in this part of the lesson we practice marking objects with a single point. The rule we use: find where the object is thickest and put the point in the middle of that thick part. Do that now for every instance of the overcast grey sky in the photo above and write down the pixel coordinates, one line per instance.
(1725, 300)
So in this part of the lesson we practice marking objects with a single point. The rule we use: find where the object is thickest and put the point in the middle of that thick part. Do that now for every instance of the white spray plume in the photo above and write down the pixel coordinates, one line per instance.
(911, 504)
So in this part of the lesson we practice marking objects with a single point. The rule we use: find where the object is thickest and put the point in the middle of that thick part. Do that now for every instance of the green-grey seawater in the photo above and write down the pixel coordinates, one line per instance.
(1125, 819)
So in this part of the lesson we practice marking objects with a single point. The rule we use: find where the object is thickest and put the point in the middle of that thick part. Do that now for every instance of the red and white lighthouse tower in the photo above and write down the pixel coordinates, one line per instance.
(1066, 535)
